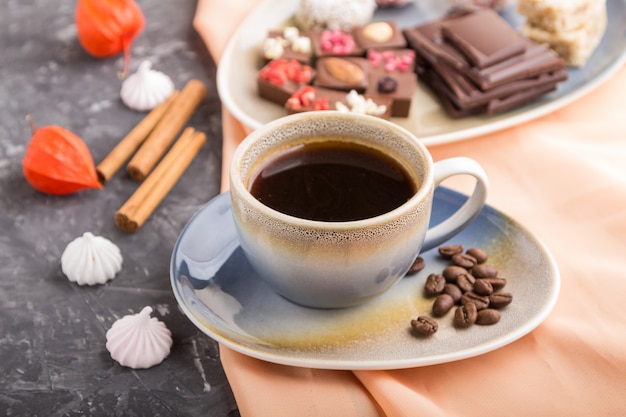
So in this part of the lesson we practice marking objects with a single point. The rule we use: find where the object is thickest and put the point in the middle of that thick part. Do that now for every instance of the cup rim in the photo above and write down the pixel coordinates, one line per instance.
(238, 183)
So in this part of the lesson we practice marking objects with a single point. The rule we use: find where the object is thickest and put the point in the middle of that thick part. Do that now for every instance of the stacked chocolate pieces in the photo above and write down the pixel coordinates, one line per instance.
(476, 63)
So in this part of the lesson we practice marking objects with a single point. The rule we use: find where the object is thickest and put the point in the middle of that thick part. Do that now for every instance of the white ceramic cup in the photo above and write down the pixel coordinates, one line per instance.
(339, 264)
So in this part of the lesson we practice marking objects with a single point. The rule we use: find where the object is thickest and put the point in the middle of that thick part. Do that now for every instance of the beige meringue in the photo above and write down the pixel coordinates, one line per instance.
(146, 89)
(90, 260)
(139, 341)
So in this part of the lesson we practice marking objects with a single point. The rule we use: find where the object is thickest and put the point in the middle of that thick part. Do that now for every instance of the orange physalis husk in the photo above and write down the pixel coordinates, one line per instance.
(58, 162)
(108, 27)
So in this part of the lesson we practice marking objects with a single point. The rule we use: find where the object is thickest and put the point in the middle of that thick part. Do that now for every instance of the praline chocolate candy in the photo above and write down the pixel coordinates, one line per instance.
(390, 61)
(309, 98)
(280, 78)
(401, 96)
(383, 34)
(348, 73)
(334, 42)
(288, 43)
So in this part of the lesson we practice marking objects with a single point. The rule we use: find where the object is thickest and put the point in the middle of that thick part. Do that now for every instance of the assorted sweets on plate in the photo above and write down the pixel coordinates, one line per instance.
(368, 64)
(472, 59)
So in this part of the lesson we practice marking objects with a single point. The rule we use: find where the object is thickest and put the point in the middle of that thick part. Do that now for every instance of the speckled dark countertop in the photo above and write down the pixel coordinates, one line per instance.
(53, 360)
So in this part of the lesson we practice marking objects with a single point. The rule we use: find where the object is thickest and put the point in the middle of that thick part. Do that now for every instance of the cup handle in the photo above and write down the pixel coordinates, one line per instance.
(469, 210)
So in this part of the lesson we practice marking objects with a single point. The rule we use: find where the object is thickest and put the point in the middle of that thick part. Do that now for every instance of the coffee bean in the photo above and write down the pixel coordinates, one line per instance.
(496, 282)
(483, 287)
(424, 325)
(454, 291)
(487, 316)
(500, 299)
(465, 315)
(479, 254)
(480, 301)
(452, 272)
(443, 303)
(464, 260)
(465, 282)
(448, 251)
(434, 285)
(468, 283)
(417, 266)
(484, 271)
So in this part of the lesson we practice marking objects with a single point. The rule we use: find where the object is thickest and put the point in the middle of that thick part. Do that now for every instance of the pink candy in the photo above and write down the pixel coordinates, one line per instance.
(391, 62)
(337, 42)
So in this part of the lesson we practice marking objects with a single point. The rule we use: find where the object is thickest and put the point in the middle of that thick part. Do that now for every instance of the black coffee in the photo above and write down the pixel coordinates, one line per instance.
(332, 181)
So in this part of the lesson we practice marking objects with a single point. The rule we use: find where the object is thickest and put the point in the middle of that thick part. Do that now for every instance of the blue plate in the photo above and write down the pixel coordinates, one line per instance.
(222, 295)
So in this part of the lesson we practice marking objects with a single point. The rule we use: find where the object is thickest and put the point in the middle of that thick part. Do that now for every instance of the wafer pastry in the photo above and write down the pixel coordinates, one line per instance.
(560, 15)
(574, 47)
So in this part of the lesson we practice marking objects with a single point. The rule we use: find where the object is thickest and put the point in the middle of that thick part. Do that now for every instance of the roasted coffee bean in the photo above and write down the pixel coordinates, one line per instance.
(434, 285)
(484, 271)
(452, 272)
(448, 251)
(443, 303)
(480, 301)
(479, 254)
(483, 287)
(418, 265)
(487, 316)
(464, 260)
(500, 299)
(465, 282)
(496, 282)
(465, 315)
(424, 325)
(454, 291)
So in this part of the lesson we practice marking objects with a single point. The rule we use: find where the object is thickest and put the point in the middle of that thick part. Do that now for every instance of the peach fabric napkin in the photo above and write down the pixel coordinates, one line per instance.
(564, 177)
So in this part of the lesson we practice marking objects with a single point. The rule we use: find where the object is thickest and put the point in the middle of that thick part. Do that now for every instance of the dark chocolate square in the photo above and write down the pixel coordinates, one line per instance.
(483, 37)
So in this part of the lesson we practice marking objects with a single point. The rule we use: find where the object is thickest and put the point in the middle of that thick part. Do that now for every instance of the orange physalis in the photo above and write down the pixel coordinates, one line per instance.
(58, 162)
(108, 27)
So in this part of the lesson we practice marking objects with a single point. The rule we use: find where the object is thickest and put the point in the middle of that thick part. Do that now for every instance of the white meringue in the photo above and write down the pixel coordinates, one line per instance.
(333, 14)
(146, 89)
(357, 103)
(138, 340)
(90, 260)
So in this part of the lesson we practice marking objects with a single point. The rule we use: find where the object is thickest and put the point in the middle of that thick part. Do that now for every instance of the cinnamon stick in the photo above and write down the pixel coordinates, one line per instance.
(134, 213)
(129, 144)
(166, 130)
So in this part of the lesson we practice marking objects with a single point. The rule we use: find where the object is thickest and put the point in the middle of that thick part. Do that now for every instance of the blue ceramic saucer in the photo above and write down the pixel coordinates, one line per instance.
(222, 295)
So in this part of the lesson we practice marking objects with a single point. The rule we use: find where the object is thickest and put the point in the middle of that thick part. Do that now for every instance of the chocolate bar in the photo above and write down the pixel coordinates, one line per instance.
(465, 94)
(483, 37)
(492, 107)
(473, 70)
